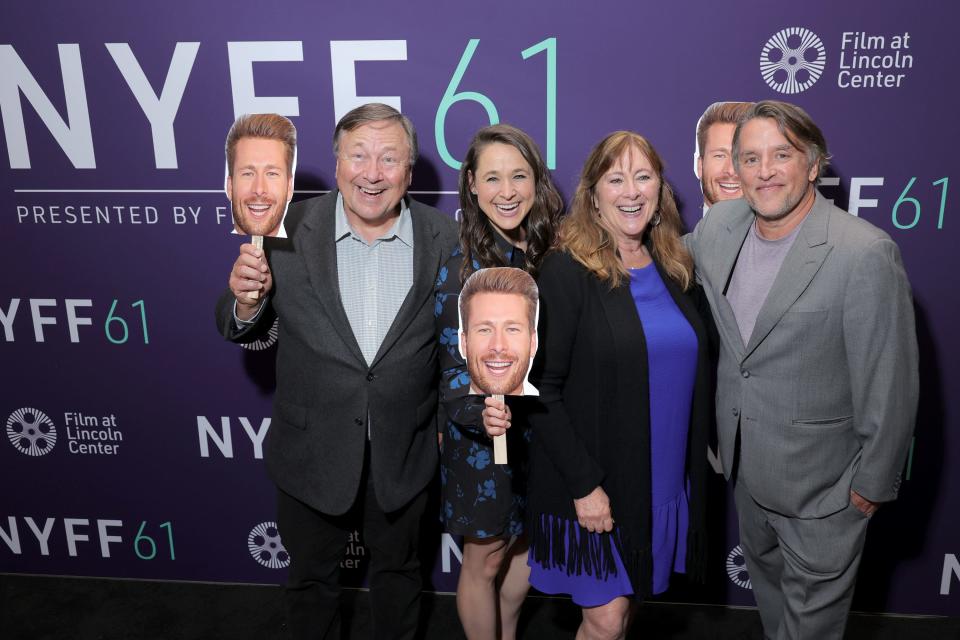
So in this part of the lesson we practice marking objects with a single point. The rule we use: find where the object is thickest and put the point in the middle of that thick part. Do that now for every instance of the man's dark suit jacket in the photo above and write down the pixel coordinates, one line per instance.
(325, 389)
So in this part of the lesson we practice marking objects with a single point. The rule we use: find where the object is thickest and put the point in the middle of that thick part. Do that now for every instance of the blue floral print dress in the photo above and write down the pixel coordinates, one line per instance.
(479, 499)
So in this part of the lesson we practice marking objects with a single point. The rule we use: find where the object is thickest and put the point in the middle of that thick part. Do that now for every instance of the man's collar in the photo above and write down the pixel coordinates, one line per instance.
(402, 228)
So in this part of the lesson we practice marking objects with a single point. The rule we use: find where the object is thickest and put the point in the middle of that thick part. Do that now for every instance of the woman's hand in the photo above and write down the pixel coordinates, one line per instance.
(593, 511)
(496, 416)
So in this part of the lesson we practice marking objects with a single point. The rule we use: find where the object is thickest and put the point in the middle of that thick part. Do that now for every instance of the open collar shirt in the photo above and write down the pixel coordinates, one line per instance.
(374, 277)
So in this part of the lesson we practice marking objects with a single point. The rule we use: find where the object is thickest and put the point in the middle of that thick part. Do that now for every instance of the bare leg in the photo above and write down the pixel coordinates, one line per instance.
(514, 584)
(476, 589)
(606, 622)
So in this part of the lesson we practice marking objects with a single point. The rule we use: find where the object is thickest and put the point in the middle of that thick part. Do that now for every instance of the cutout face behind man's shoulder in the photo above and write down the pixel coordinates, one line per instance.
(713, 152)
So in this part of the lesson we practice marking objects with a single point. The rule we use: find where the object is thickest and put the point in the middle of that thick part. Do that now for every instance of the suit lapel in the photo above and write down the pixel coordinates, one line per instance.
(319, 251)
(426, 263)
(728, 249)
(803, 261)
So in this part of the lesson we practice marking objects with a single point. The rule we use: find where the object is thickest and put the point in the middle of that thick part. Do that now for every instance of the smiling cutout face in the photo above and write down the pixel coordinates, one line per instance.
(498, 341)
(261, 155)
(260, 186)
(718, 179)
(498, 324)
(714, 151)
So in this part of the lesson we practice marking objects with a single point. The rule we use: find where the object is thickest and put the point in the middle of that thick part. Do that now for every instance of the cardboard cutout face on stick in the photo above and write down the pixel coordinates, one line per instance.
(713, 152)
(261, 162)
(498, 330)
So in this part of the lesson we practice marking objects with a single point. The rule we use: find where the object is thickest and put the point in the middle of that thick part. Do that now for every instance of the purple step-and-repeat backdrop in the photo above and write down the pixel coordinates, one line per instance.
(147, 458)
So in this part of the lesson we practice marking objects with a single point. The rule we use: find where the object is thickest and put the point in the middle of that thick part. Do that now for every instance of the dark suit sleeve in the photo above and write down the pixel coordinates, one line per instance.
(561, 304)
(228, 328)
(881, 343)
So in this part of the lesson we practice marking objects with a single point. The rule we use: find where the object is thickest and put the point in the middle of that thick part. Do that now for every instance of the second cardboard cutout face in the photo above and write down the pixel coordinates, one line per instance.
(260, 184)
(713, 165)
(498, 333)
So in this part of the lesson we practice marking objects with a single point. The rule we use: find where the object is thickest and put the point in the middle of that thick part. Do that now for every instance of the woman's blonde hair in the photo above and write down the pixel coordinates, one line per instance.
(592, 243)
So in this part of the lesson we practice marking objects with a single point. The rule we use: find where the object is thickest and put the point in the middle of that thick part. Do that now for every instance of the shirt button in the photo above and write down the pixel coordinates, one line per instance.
(745, 373)
(736, 412)
(358, 422)
(370, 377)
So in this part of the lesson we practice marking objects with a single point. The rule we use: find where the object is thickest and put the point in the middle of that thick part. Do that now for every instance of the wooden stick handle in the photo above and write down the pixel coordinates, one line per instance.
(256, 241)
(500, 442)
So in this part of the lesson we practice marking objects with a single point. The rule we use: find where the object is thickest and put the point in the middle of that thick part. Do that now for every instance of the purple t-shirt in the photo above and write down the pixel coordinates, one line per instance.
(757, 267)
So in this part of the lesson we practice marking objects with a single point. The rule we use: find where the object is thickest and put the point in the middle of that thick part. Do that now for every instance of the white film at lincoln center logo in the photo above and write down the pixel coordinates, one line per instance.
(737, 568)
(792, 60)
(31, 432)
(265, 546)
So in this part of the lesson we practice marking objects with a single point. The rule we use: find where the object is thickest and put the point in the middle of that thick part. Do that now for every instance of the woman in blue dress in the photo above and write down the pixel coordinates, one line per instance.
(618, 465)
(509, 212)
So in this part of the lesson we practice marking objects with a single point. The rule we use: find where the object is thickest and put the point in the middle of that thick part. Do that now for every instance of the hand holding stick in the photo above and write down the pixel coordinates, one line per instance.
(256, 241)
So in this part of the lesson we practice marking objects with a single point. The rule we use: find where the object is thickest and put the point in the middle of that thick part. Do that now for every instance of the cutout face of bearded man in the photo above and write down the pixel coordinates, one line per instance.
(261, 154)
(260, 186)
(498, 334)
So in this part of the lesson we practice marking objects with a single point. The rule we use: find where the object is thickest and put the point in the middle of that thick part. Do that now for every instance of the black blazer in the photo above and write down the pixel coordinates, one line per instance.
(314, 450)
(593, 428)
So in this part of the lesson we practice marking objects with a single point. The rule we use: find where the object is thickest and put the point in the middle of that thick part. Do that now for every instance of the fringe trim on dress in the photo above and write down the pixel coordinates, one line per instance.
(555, 544)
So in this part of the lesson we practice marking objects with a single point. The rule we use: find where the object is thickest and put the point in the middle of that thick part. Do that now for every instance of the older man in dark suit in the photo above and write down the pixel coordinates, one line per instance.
(353, 440)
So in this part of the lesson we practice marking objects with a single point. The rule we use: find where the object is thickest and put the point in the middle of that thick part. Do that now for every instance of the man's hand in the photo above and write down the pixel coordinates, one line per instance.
(496, 417)
(866, 507)
(250, 274)
(593, 511)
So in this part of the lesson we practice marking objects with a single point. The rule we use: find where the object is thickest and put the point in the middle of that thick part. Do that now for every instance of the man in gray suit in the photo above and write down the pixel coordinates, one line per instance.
(353, 439)
(817, 381)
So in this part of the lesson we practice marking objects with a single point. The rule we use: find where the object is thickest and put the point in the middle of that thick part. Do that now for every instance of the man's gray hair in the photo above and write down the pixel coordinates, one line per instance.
(795, 125)
(376, 112)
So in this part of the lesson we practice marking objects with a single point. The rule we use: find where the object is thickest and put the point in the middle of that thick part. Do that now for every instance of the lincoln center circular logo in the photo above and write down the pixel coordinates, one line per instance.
(31, 432)
(792, 60)
(265, 343)
(737, 568)
(265, 546)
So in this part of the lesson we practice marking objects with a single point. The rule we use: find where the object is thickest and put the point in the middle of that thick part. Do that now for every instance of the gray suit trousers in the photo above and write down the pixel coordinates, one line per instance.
(803, 570)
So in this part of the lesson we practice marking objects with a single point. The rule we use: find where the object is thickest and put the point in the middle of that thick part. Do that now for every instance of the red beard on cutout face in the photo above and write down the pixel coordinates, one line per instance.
(498, 373)
(258, 216)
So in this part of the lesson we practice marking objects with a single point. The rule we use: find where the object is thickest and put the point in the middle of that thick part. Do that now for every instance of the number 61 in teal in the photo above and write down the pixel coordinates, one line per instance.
(451, 97)
(146, 547)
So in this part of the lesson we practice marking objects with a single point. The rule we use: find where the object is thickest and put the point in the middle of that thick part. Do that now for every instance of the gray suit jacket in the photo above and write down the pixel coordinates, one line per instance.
(314, 450)
(825, 392)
